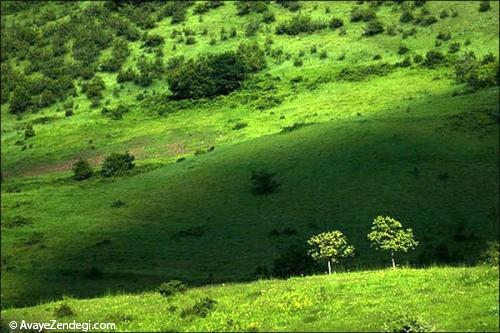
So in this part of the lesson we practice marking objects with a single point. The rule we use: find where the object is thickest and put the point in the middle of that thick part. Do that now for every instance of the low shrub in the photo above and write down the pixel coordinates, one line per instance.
(293, 261)
(171, 287)
(268, 17)
(239, 126)
(118, 204)
(323, 54)
(299, 24)
(200, 309)
(490, 256)
(434, 58)
(82, 170)
(443, 14)
(406, 17)
(444, 36)
(116, 113)
(361, 72)
(297, 62)
(407, 324)
(360, 14)
(63, 310)
(29, 132)
(117, 164)
(264, 182)
(336, 23)
(484, 6)
(403, 49)
(454, 47)
(195, 231)
(373, 27)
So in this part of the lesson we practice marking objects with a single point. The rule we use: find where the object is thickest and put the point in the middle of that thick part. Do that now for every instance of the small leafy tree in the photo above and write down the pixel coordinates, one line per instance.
(117, 164)
(82, 170)
(264, 182)
(331, 246)
(388, 235)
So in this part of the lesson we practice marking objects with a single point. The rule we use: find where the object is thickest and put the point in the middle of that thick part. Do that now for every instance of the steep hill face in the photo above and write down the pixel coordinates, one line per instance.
(359, 109)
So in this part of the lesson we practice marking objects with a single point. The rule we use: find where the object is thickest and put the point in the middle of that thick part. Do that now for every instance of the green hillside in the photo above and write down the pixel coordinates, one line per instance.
(377, 301)
(395, 113)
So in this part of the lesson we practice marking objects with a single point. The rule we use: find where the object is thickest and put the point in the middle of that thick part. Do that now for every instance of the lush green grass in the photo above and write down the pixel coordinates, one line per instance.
(375, 146)
(445, 299)
(339, 174)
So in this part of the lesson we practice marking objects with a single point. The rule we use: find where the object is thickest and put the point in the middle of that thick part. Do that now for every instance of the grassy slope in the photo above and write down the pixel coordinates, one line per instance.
(362, 301)
(332, 173)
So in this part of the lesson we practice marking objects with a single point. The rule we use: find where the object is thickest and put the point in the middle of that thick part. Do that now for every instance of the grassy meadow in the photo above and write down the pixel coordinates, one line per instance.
(412, 143)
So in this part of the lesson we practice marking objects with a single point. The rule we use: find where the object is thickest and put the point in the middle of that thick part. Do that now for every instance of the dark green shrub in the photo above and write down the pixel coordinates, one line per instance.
(406, 62)
(200, 309)
(116, 113)
(82, 170)
(426, 21)
(268, 17)
(117, 164)
(360, 14)
(407, 324)
(406, 17)
(361, 72)
(29, 132)
(454, 47)
(68, 113)
(291, 5)
(433, 58)
(488, 59)
(93, 89)
(208, 76)
(126, 75)
(20, 100)
(264, 182)
(323, 54)
(444, 14)
(153, 40)
(239, 126)
(118, 204)
(63, 310)
(247, 7)
(444, 36)
(490, 256)
(377, 57)
(417, 58)
(171, 287)
(203, 7)
(293, 261)
(299, 24)
(195, 231)
(403, 49)
(373, 27)
(297, 62)
(484, 6)
(391, 30)
(335, 23)
(190, 40)
(252, 28)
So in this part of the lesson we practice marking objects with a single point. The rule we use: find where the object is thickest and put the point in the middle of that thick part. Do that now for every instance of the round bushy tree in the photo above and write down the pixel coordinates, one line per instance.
(388, 235)
(82, 170)
(331, 246)
(117, 164)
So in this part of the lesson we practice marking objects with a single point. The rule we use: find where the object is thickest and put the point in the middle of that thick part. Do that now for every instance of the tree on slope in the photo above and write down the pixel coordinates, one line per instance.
(388, 235)
(331, 246)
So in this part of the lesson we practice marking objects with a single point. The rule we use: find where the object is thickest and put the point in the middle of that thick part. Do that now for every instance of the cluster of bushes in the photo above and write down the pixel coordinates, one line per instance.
(264, 182)
(299, 24)
(115, 113)
(248, 6)
(289, 4)
(214, 74)
(113, 165)
(119, 54)
(361, 72)
(94, 88)
(477, 73)
(205, 6)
